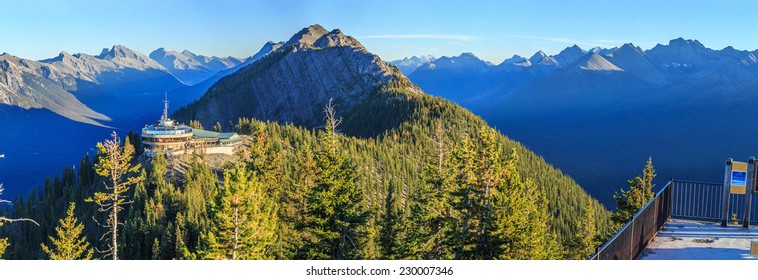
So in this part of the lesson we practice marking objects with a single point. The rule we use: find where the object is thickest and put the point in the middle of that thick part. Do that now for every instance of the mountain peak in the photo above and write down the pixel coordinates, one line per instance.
(596, 62)
(63, 55)
(630, 47)
(7, 56)
(267, 48)
(308, 35)
(514, 59)
(681, 42)
(120, 48)
(540, 58)
(336, 38)
(103, 52)
(539, 55)
(569, 55)
(469, 55)
(160, 52)
(116, 51)
(573, 48)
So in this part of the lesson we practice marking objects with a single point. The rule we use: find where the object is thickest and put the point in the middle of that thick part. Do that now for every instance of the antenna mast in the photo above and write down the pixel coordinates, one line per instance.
(165, 107)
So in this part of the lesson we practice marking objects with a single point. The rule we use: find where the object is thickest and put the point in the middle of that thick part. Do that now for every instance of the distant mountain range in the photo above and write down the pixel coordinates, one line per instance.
(408, 65)
(598, 114)
(191, 68)
(58, 84)
(54, 110)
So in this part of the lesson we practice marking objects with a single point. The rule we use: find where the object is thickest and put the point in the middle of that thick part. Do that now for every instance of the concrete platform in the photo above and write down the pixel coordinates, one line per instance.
(695, 240)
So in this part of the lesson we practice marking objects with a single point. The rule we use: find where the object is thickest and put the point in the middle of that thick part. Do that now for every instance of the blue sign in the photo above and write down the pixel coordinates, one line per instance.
(739, 178)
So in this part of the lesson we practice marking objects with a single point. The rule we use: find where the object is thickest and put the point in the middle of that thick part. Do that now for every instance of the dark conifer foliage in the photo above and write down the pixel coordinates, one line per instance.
(414, 177)
(422, 161)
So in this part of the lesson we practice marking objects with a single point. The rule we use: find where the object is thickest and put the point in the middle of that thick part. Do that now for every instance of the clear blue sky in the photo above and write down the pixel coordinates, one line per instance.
(493, 30)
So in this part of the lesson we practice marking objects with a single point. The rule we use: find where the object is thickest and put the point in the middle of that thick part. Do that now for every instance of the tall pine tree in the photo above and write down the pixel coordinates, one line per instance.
(585, 240)
(523, 218)
(293, 212)
(429, 210)
(244, 221)
(639, 193)
(336, 211)
(391, 233)
(69, 244)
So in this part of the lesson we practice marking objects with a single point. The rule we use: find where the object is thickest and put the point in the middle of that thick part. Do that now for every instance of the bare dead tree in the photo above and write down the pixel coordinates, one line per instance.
(4, 241)
(12, 220)
(332, 122)
(115, 165)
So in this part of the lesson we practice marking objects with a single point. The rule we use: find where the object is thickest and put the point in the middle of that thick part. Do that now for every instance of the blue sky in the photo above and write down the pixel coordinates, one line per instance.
(493, 30)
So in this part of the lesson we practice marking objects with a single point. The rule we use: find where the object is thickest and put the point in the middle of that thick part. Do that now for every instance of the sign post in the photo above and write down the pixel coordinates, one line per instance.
(725, 196)
(749, 194)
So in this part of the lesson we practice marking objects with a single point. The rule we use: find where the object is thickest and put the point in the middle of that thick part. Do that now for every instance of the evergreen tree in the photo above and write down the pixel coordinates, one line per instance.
(195, 124)
(156, 251)
(4, 244)
(390, 233)
(294, 207)
(429, 210)
(70, 244)
(585, 241)
(115, 165)
(387, 144)
(244, 222)
(180, 250)
(523, 218)
(639, 193)
(335, 203)
(244, 126)
(264, 162)
(478, 172)
(217, 127)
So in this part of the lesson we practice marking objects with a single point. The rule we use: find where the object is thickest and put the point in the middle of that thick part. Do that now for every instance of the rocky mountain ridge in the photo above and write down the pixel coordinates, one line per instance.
(292, 84)
(408, 64)
(192, 68)
(587, 110)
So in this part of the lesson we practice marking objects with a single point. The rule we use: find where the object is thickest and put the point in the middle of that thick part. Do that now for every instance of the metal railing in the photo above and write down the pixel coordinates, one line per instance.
(697, 200)
(704, 201)
(634, 236)
(678, 199)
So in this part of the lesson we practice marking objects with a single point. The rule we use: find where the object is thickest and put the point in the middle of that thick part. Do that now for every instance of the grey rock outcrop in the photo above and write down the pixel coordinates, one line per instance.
(293, 84)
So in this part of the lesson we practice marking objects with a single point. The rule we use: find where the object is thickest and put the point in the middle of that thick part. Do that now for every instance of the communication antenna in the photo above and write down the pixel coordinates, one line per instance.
(165, 107)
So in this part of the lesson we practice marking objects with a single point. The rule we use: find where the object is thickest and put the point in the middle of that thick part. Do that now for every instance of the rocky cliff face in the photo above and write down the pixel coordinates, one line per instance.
(294, 83)
(31, 84)
(59, 83)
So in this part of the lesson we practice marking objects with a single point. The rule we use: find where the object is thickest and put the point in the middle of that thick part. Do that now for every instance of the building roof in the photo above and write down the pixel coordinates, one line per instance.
(226, 137)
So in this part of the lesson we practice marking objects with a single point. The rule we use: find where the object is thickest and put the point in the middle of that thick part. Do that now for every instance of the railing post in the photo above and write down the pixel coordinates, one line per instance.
(631, 239)
(749, 190)
(725, 198)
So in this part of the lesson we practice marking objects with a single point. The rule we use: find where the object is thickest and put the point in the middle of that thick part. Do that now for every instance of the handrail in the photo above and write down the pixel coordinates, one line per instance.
(652, 199)
(626, 225)
(696, 182)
